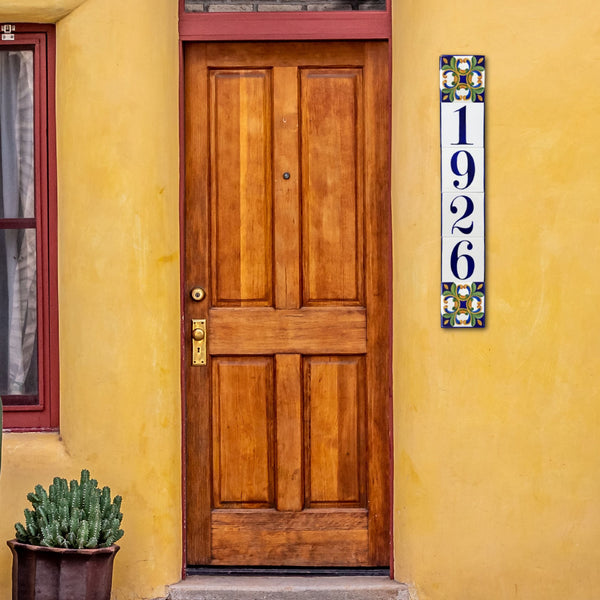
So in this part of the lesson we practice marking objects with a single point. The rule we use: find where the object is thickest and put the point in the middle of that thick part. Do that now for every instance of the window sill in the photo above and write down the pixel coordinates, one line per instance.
(33, 451)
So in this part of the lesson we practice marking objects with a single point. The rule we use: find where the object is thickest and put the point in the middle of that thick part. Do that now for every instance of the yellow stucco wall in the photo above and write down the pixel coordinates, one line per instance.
(36, 11)
(117, 129)
(497, 446)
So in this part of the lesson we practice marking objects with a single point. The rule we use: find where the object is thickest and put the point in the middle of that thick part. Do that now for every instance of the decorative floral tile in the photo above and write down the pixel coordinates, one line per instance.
(462, 78)
(463, 305)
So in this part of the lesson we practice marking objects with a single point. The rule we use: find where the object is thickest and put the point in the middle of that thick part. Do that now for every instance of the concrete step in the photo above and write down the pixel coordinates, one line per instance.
(236, 587)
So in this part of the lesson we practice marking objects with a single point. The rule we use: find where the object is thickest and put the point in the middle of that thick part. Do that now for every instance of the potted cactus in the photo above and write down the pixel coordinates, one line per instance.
(66, 547)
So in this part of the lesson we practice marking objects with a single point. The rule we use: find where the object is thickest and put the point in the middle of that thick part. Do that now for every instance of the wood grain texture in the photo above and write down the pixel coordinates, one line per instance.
(241, 200)
(289, 427)
(284, 54)
(243, 437)
(196, 269)
(335, 431)
(286, 191)
(305, 331)
(332, 141)
(379, 299)
(292, 411)
(275, 538)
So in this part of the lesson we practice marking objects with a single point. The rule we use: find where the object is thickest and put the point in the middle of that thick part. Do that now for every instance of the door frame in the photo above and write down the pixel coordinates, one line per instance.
(278, 26)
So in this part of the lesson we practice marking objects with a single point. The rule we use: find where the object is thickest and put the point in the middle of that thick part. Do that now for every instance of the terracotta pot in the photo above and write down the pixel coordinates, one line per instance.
(41, 573)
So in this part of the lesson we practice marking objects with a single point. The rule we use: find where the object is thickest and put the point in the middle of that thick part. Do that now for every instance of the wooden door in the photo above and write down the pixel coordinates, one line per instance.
(287, 230)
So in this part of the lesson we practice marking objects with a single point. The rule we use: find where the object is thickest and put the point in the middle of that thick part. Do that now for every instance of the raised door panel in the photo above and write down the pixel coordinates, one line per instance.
(332, 141)
(310, 537)
(335, 431)
(240, 178)
(243, 437)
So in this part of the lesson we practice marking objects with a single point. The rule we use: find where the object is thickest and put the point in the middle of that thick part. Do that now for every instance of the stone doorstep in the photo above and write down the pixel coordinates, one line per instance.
(237, 587)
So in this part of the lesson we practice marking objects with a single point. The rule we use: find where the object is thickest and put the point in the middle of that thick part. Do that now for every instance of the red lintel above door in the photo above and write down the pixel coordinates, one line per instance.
(325, 25)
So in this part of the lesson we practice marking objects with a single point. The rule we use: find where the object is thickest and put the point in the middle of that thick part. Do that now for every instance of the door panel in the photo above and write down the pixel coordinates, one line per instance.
(243, 449)
(287, 229)
(335, 418)
(331, 127)
(310, 537)
(240, 176)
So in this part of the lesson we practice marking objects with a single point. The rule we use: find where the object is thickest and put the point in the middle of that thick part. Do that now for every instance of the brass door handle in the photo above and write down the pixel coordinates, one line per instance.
(198, 342)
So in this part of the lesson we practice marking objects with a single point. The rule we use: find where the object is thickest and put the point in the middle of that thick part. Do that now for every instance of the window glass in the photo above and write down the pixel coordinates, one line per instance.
(18, 260)
(16, 134)
(281, 5)
(18, 312)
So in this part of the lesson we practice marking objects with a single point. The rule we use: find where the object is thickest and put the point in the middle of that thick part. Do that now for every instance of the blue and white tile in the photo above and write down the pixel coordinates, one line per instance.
(462, 124)
(463, 169)
(463, 259)
(463, 214)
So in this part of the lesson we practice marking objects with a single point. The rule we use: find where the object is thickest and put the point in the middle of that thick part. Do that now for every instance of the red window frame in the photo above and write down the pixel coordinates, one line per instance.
(39, 413)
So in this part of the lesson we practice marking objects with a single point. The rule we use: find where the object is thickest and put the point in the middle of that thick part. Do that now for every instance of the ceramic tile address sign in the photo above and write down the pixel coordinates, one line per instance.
(462, 103)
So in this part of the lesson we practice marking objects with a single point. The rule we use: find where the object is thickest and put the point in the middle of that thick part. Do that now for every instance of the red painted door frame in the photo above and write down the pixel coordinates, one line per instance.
(305, 25)
(269, 26)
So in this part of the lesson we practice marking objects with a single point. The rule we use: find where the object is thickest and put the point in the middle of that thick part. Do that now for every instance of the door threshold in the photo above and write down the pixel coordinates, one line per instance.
(299, 587)
(289, 571)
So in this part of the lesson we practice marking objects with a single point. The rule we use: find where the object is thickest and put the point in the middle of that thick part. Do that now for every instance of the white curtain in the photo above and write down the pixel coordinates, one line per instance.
(18, 308)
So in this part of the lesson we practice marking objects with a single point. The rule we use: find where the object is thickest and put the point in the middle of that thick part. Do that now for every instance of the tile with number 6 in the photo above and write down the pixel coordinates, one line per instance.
(463, 259)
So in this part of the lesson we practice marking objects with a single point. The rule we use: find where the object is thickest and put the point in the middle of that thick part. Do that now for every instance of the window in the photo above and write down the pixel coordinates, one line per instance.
(28, 320)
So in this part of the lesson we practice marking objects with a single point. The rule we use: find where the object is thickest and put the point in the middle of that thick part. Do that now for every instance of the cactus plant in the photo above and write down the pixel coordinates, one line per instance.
(74, 515)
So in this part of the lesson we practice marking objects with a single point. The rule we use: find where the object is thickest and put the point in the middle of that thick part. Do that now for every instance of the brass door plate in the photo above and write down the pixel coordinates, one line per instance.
(198, 342)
